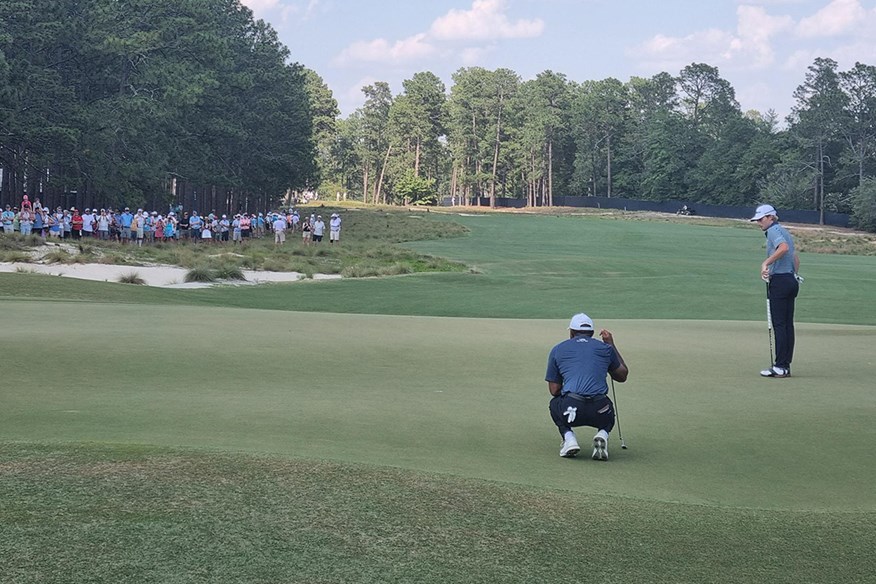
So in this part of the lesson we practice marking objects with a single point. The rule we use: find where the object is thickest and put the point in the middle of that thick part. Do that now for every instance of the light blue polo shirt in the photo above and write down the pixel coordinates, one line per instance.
(776, 235)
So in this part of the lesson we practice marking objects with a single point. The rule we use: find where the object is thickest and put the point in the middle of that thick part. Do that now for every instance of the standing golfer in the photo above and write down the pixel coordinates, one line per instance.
(779, 271)
(576, 371)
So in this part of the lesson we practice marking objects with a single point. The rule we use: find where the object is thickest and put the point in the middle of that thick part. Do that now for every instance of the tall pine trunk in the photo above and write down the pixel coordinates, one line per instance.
(377, 192)
(496, 158)
(550, 176)
(608, 147)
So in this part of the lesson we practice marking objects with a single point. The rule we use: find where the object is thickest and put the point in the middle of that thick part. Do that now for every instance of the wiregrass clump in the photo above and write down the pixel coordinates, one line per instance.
(132, 278)
(115, 259)
(58, 256)
(276, 264)
(15, 257)
(201, 274)
(229, 272)
(372, 270)
(16, 242)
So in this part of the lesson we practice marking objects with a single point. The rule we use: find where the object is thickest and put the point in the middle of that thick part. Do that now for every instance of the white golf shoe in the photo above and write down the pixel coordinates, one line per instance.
(776, 372)
(600, 448)
(570, 447)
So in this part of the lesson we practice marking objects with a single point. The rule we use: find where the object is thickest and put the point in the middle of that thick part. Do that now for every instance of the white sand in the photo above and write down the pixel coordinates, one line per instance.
(160, 276)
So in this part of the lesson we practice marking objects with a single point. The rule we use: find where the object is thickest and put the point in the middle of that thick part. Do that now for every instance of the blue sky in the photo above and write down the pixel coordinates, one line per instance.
(761, 47)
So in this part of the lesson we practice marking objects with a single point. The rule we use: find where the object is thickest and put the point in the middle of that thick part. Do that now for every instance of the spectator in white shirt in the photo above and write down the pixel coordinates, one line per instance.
(279, 226)
(318, 229)
(335, 228)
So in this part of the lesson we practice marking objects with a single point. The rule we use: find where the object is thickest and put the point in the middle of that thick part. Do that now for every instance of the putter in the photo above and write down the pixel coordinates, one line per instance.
(617, 416)
(769, 321)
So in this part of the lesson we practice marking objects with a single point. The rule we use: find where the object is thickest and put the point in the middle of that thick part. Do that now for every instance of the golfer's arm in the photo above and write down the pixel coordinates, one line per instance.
(555, 388)
(796, 263)
(781, 250)
(620, 373)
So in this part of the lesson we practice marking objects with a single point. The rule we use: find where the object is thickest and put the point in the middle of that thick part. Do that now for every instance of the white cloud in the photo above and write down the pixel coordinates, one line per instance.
(711, 46)
(486, 20)
(749, 47)
(837, 18)
(412, 48)
(755, 29)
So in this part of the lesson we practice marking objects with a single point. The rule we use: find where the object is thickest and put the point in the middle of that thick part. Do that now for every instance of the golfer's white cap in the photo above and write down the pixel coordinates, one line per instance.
(762, 211)
(581, 322)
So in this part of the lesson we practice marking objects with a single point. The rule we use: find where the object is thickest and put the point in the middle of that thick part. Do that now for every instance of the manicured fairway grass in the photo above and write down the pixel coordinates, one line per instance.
(547, 267)
(199, 436)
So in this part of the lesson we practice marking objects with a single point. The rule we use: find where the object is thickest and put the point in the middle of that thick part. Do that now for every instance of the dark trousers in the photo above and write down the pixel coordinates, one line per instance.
(783, 291)
(568, 412)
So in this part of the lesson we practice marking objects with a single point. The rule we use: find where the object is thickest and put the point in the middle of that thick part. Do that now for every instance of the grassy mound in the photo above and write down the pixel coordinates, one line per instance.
(111, 514)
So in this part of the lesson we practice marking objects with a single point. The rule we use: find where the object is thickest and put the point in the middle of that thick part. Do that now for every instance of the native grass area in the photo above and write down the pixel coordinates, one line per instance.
(395, 429)
(366, 250)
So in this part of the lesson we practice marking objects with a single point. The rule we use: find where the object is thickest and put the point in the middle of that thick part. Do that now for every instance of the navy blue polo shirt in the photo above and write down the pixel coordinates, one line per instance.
(580, 365)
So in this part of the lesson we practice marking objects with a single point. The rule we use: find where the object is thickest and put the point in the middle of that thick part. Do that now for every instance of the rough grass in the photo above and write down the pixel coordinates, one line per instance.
(131, 514)
(831, 241)
(826, 239)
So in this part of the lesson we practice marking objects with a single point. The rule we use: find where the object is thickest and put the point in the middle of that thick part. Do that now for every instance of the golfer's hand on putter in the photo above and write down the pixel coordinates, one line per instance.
(606, 336)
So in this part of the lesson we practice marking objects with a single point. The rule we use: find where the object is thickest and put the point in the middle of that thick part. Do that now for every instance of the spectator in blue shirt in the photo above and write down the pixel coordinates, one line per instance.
(195, 224)
(126, 219)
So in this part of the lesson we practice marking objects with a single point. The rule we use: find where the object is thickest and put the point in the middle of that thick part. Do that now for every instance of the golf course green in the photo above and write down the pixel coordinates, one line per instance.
(396, 429)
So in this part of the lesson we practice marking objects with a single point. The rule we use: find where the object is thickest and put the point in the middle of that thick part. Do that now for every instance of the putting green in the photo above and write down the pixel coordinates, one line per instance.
(452, 395)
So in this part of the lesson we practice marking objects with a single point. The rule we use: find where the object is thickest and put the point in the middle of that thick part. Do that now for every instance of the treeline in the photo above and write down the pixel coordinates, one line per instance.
(134, 101)
(155, 101)
(668, 137)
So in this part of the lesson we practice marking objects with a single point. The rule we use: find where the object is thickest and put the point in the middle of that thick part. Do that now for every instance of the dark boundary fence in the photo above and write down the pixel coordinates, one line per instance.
(671, 206)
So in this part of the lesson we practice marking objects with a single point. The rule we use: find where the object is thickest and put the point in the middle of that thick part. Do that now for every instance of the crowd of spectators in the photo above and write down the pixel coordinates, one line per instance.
(143, 226)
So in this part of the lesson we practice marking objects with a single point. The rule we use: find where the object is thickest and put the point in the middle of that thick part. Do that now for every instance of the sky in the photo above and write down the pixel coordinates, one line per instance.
(763, 48)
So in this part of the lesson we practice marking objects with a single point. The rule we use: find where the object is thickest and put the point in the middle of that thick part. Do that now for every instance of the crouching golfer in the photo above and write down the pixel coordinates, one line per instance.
(575, 375)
